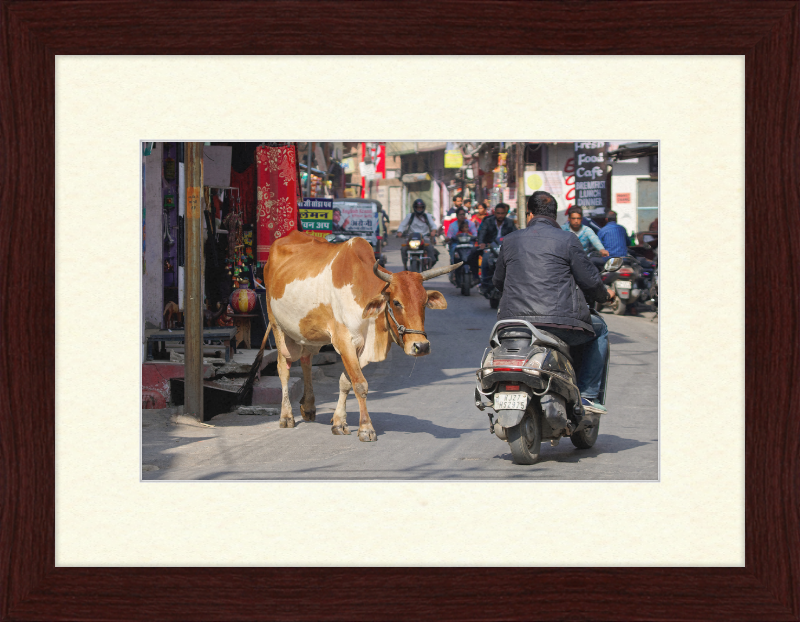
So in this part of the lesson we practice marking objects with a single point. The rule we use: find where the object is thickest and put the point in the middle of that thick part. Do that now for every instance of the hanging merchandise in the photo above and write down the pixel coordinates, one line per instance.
(233, 224)
(500, 180)
(277, 196)
(246, 183)
(501, 172)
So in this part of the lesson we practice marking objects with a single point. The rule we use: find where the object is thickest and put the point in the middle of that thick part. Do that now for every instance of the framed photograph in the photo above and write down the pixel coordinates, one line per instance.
(70, 458)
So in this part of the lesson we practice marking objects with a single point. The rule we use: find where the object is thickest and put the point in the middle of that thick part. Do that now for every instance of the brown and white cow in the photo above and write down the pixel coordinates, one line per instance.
(320, 293)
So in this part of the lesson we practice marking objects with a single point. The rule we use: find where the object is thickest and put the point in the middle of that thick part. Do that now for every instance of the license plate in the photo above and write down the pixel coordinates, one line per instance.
(510, 401)
(624, 284)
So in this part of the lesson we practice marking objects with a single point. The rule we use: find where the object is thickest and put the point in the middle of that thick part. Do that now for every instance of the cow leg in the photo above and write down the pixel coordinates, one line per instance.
(339, 421)
(308, 407)
(287, 418)
(353, 368)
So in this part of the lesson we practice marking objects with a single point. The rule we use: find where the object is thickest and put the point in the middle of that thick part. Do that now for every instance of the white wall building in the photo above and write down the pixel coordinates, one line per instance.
(634, 191)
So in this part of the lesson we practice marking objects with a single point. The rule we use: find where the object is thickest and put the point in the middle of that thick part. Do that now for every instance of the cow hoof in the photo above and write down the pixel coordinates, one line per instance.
(367, 435)
(310, 415)
(287, 423)
(340, 429)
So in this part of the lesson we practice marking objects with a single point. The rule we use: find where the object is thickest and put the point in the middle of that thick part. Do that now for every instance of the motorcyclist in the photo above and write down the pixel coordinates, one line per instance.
(492, 229)
(418, 221)
(547, 279)
(456, 228)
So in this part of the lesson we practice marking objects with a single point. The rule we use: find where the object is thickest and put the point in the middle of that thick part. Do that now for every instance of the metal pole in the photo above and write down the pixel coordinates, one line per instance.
(521, 202)
(193, 314)
(308, 169)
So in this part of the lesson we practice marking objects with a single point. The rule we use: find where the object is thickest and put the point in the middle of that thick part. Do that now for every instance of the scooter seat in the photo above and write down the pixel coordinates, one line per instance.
(523, 332)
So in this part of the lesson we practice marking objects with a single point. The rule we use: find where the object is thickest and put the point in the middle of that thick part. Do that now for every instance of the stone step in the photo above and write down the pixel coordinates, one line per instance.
(268, 390)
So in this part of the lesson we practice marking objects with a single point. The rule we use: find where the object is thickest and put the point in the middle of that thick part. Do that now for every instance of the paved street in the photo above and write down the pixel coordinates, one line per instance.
(425, 417)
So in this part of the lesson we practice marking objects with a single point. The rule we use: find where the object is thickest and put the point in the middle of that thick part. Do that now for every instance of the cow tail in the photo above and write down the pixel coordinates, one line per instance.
(247, 388)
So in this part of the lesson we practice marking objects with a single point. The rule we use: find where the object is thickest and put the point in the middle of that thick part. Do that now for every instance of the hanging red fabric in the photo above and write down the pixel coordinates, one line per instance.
(276, 214)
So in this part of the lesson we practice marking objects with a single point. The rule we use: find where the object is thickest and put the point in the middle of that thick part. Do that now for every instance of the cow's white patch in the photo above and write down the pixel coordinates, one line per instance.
(301, 297)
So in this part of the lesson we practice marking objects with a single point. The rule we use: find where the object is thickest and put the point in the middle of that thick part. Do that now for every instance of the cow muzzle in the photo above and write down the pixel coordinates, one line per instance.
(420, 348)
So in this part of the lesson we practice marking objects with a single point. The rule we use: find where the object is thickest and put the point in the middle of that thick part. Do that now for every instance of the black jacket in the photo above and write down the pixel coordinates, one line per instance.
(546, 278)
(488, 230)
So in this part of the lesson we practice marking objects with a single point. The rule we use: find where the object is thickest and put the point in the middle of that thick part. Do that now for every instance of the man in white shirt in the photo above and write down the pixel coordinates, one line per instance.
(418, 221)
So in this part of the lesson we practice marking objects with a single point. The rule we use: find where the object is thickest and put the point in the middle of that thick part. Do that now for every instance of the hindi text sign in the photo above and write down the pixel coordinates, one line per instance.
(316, 216)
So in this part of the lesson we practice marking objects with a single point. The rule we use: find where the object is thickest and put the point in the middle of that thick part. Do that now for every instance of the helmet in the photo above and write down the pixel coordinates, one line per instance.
(419, 203)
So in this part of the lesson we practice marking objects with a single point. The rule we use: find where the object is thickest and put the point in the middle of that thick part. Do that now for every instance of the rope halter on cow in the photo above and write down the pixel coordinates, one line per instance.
(427, 274)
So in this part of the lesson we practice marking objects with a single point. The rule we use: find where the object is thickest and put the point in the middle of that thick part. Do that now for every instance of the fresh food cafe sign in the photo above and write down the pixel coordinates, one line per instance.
(592, 181)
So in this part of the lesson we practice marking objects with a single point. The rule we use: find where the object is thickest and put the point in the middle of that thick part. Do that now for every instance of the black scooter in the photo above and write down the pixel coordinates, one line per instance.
(632, 283)
(491, 253)
(529, 378)
(462, 277)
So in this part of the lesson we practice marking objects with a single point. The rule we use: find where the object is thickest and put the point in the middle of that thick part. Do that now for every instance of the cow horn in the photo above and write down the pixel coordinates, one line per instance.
(381, 275)
(429, 274)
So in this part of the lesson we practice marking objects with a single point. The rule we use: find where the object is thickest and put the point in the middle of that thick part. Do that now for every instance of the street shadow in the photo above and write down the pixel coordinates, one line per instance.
(616, 338)
(385, 422)
(565, 451)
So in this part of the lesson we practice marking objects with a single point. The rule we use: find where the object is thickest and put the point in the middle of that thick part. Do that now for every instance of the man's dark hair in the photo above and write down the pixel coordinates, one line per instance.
(611, 216)
(542, 203)
(459, 210)
(502, 206)
(336, 209)
(575, 210)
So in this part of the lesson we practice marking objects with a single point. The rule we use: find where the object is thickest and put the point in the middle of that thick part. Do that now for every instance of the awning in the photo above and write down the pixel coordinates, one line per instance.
(398, 149)
(412, 178)
(629, 151)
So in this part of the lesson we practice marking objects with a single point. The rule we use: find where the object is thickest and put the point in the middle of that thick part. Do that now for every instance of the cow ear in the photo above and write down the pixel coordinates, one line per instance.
(374, 307)
(436, 300)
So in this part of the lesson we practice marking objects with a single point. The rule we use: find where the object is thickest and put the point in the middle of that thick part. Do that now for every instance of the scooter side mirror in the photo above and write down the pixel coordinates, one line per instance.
(613, 264)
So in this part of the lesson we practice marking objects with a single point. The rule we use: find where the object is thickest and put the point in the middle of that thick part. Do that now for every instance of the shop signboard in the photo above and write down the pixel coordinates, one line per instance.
(453, 159)
(355, 218)
(592, 180)
(316, 216)
(546, 181)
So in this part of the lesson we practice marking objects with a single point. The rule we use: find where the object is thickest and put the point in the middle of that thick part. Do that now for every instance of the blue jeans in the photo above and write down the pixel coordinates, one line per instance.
(593, 366)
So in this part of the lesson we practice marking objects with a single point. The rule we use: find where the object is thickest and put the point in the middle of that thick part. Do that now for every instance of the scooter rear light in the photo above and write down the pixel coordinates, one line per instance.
(625, 272)
(508, 364)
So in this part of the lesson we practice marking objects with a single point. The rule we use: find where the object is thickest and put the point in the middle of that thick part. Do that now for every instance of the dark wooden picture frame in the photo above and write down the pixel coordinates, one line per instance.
(766, 33)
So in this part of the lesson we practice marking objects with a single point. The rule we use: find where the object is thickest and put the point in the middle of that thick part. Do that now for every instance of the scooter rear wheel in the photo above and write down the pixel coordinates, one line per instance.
(525, 438)
(586, 438)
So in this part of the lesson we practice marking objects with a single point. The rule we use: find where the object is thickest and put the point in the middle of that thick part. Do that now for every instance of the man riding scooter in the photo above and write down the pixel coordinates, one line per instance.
(418, 221)
(492, 229)
(546, 279)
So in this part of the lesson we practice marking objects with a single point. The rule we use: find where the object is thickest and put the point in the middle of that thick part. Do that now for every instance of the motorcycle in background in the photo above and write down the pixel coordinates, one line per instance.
(632, 284)
(529, 377)
(417, 247)
(491, 253)
(462, 277)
